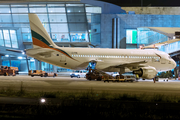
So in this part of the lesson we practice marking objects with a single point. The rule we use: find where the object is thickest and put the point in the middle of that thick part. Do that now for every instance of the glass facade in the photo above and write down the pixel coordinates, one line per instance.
(144, 36)
(147, 37)
(170, 48)
(64, 23)
(8, 38)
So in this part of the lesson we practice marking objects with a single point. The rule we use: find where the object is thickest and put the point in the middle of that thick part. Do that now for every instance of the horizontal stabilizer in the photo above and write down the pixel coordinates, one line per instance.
(17, 51)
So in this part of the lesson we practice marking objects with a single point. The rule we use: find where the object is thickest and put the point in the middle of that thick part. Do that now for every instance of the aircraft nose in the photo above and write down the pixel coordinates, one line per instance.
(174, 64)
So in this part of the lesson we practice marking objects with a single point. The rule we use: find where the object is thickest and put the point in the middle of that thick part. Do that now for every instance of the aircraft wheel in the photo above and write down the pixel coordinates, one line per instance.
(89, 78)
(5, 74)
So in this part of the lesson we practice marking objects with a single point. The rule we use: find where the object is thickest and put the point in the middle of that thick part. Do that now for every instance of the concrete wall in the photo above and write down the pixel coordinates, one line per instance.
(129, 21)
(154, 10)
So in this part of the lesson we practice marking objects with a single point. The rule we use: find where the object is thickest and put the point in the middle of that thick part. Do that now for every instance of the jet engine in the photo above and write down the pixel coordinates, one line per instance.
(146, 72)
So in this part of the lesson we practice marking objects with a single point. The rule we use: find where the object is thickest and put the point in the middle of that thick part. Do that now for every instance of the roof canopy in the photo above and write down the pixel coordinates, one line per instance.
(168, 31)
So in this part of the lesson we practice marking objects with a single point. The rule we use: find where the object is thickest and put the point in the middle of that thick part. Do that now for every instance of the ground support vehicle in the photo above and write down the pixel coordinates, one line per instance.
(50, 74)
(94, 75)
(7, 71)
(99, 75)
(78, 73)
(41, 73)
(119, 78)
(15, 69)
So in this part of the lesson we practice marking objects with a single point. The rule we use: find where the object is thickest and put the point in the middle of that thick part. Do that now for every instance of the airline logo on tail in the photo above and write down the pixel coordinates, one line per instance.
(40, 36)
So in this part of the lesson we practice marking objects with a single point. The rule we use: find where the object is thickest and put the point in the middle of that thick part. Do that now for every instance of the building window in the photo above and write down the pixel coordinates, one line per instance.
(13, 39)
(1, 39)
(19, 10)
(56, 10)
(38, 10)
(7, 38)
(131, 36)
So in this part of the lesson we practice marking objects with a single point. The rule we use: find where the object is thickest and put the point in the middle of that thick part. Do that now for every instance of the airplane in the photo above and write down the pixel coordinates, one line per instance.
(143, 62)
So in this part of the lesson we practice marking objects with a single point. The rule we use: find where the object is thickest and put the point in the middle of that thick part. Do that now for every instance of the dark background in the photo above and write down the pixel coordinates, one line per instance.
(145, 3)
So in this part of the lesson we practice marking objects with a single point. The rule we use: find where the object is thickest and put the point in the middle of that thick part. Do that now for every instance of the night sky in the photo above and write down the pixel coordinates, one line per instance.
(137, 3)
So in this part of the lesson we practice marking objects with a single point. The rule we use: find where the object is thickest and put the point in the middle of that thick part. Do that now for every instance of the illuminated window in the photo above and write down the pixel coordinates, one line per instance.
(131, 36)
(13, 38)
(1, 39)
(7, 38)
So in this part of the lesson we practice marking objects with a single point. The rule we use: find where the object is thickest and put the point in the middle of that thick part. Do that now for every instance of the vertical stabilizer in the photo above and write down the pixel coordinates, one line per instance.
(40, 37)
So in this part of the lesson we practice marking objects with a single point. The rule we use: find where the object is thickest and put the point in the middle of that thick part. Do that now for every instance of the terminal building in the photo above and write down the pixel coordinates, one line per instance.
(77, 23)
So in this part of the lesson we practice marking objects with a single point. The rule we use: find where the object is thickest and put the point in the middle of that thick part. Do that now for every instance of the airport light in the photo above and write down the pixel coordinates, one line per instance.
(32, 60)
(20, 58)
(43, 100)
(6, 55)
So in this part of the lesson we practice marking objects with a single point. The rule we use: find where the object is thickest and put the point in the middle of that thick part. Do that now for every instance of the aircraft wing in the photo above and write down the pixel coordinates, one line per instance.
(129, 65)
(13, 50)
(160, 44)
(132, 64)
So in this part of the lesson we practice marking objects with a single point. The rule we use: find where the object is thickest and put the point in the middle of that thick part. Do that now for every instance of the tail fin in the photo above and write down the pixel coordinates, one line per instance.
(40, 37)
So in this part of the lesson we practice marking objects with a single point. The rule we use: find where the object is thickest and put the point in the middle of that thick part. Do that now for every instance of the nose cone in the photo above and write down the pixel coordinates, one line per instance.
(174, 64)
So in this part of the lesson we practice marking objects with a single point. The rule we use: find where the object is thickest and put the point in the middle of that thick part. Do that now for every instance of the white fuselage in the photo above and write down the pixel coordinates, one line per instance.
(79, 58)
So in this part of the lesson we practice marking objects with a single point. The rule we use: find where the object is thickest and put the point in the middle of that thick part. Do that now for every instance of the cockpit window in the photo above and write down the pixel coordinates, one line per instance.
(169, 57)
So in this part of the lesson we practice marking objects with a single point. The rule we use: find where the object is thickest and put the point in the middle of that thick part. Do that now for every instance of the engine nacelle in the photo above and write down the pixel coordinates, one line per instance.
(146, 72)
